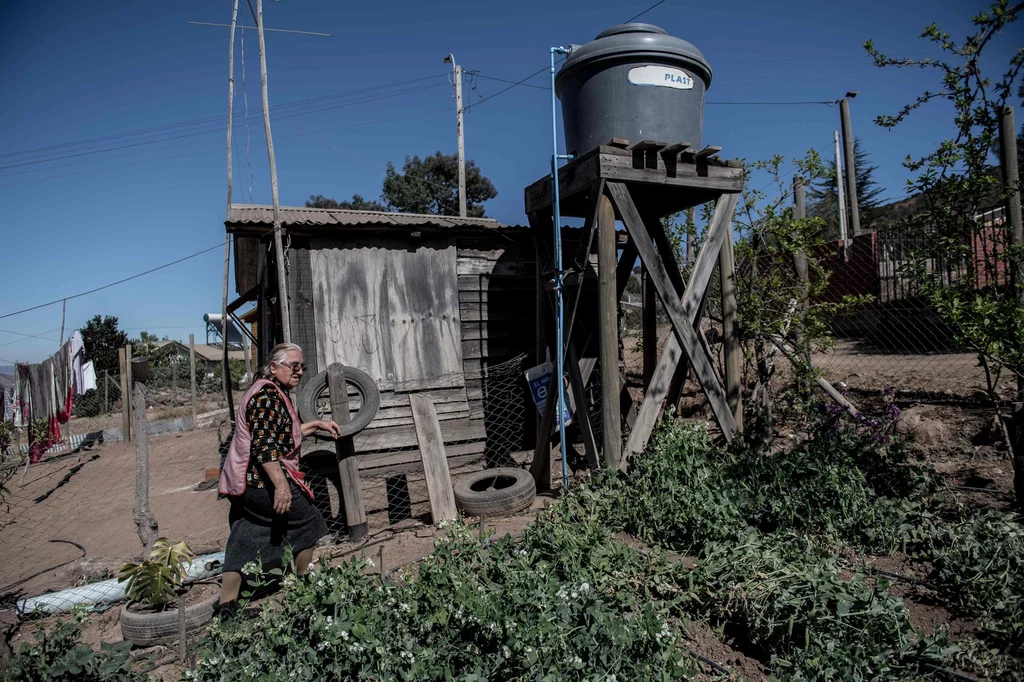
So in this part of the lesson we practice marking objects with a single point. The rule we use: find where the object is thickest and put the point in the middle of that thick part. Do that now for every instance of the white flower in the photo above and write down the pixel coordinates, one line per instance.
(506, 651)
(329, 619)
(369, 562)
(442, 524)
(611, 678)
(344, 634)
(403, 607)
(251, 567)
(585, 587)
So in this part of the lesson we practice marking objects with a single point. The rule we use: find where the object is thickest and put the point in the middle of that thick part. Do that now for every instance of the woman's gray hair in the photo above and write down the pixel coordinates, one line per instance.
(277, 355)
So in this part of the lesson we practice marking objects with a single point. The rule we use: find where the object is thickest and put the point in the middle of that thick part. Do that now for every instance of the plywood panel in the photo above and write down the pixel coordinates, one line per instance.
(350, 294)
(423, 302)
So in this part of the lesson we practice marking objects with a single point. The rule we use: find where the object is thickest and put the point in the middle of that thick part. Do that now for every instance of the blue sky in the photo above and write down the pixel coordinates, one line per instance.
(78, 216)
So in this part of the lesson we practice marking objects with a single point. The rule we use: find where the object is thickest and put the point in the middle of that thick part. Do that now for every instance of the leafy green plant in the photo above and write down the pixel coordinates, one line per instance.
(157, 580)
(58, 655)
(962, 264)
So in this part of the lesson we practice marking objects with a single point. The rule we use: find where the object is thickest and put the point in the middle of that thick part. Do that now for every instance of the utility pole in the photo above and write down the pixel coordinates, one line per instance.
(851, 167)
(459, 130)
(842, 200)
(282, 282)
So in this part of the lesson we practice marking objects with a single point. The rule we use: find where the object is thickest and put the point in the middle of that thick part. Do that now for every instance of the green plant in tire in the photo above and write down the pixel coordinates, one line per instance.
(157, 580)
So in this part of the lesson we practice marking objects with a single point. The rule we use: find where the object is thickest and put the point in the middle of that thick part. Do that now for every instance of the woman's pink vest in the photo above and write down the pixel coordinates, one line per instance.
(232, 477)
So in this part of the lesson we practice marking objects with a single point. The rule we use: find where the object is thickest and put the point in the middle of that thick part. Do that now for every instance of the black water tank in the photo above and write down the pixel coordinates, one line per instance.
(634, 81)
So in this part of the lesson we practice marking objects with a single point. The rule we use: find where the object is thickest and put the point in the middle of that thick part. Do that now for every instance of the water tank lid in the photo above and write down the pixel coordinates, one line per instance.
(636, 41)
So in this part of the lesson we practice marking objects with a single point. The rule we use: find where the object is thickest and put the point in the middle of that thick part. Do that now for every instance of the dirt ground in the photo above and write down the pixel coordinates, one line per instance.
(87, 498)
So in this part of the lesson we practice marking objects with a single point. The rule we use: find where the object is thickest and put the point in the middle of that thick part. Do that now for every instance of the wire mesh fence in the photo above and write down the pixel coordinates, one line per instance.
(67, 527)
(483, 424)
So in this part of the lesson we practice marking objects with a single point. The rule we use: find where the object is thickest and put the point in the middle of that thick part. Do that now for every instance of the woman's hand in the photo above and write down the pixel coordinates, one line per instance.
(282, 498)
(322, 425)
(330, 427)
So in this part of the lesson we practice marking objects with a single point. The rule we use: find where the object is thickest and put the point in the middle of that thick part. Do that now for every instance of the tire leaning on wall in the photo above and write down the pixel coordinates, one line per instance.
(317, 387)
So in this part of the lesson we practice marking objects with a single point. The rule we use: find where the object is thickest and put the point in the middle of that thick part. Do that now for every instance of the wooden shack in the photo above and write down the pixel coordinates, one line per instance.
(422, 303)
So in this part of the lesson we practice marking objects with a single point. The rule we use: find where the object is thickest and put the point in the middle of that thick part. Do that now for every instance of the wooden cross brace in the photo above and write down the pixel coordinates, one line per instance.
(682, 308)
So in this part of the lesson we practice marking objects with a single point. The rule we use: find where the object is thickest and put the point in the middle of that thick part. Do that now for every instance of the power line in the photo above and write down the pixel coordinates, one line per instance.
(505, 80)
(644, 12)
(361, 95)
(112, 284)
(206, 129)
(253, 28)
(28, 336)
(775, 104)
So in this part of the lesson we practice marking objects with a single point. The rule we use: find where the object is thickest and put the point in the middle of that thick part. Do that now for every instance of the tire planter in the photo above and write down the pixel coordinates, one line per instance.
(316, 388)
(494, 492)
(150, 629)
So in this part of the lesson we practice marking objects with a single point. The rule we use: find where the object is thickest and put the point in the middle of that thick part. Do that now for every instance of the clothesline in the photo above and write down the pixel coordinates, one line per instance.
(45, 391)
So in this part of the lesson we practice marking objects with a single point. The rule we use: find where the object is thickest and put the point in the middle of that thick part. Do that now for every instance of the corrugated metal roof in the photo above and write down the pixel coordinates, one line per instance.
(259, 214)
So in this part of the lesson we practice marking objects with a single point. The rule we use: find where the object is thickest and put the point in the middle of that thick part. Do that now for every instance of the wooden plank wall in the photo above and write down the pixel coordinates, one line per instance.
(496, 304)
(300, 295)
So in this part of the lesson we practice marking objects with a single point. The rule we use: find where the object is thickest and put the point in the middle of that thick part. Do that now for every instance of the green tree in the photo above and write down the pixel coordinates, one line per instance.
(823, 196)
(957, 182)
(431, 185)
(102, 340)
(356, 203)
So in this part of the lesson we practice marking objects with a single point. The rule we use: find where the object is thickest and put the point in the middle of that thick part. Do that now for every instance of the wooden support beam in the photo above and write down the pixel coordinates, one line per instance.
(348, 463)
(540, 467)
(435, 462)
(581, 413)
(710, 150)
(672, 359)
(650, 327)
(645, 154)
(608, 331)
(682, 326)
(618, 142)
(624, 269)
(732, 351)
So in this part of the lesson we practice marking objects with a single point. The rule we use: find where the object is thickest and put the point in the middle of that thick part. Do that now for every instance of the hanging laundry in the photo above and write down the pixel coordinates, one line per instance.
(45, 392)
(78, 362)
(88, 378)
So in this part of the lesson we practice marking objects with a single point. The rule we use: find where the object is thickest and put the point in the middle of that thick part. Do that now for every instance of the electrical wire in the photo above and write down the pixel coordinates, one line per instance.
(776, 104)
(505, 80)
(156, 135)
(644, 12)
(112, 284)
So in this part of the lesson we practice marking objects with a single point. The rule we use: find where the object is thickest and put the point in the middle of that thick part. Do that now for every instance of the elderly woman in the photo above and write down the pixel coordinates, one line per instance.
(270, 504)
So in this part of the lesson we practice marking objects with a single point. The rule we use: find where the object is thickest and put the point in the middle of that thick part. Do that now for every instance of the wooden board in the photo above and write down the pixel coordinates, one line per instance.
(577, 177)
(351, 304)
(435, 465)
(348, 465)
(423, 303)
(391, 312)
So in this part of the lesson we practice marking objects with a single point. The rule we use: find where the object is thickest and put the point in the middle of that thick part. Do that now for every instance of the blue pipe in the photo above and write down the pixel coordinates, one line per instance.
(558, 379)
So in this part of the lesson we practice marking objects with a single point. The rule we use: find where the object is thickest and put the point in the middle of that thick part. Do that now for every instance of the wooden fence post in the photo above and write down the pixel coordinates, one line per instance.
(141, 514)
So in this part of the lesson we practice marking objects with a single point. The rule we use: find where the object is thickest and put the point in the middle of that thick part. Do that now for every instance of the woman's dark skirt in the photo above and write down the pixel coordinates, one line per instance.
(259, 534)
